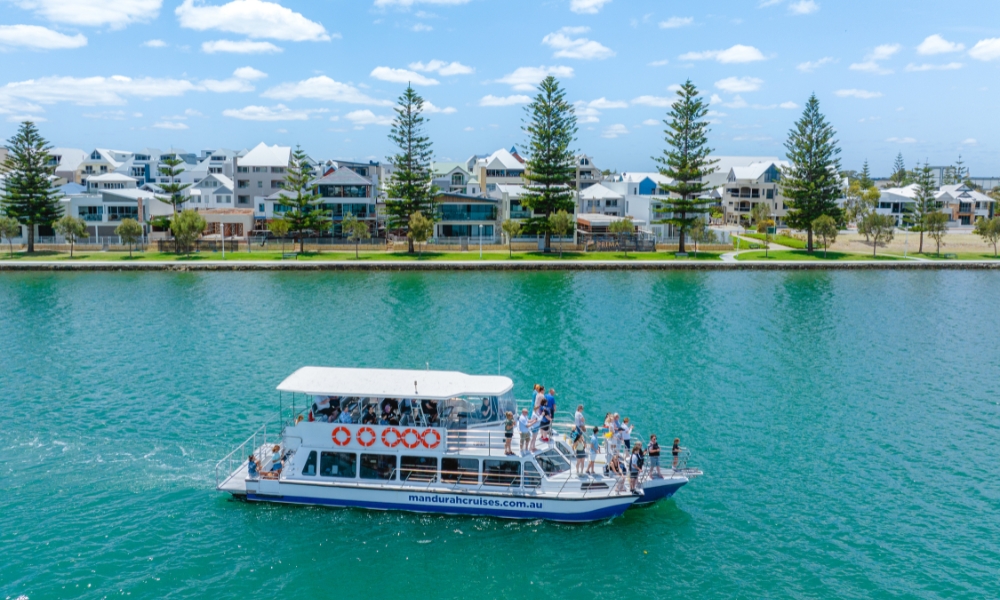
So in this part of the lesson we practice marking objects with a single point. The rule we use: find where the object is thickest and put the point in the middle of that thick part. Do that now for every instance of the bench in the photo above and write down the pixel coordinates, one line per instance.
(287, 255)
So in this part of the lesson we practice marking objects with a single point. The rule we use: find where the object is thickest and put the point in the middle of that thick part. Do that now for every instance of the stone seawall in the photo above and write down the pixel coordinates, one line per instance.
(182, 266)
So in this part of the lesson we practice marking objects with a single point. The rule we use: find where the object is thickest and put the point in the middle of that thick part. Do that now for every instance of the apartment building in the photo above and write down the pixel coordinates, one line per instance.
(455, 177)
(503, 167)
(260, 175)
(749, 185)
(342, 191)
(467, 216)
(587, 174)
(601, 199)
(100, 161)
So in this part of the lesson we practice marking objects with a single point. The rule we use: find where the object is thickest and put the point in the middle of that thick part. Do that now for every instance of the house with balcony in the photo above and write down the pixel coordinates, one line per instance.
(503, 167)
(344, 191)
(467, 216)
(747, 186)
(586, 173)
(110, 181)
(964, 205)
(101, 161)
(214, 191)
(600, 199)
(260, 174)
(455, 177)
(67, 163)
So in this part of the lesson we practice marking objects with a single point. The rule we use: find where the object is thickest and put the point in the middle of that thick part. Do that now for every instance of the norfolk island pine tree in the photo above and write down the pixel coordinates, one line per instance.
(812, 181)
(686, 161)
(301, 212)
(410, 189)
(27, 194)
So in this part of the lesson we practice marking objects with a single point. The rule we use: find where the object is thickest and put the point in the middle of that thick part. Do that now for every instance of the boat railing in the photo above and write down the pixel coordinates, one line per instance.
(224, 468)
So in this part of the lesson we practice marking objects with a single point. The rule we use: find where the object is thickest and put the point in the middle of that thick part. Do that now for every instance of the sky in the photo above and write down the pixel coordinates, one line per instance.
(911, 76)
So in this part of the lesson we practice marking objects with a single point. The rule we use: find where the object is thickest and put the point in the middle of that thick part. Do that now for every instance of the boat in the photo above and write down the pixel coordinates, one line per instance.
(421, 441)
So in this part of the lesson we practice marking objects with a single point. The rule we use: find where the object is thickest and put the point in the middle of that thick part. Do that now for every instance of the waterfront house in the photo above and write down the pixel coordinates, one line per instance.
(110, 181)
(467, 216)
(214, 191)
(67, 163)
(259, 174)
(587, 174)
(601, 199)
(455, 177)
(101, 161)
(750, 185)
(342, 190)
(503, 167)
(964, 205)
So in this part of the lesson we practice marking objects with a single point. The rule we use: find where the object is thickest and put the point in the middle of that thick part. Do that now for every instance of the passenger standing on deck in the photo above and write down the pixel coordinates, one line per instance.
(524, 428)
(676, 451)
(546, 421)
(613, 440)
(595, 447)
(578, 419)
(580, 447)
(551, 399)
(508, 433)
(276, 460)
(539, 395)
(536, 426)
(252, 467)
(626, 435)
(635, 466)
(615, 470)
(654, 455)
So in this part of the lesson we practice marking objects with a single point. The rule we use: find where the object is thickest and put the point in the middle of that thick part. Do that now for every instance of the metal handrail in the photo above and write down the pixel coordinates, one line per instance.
(240, 450)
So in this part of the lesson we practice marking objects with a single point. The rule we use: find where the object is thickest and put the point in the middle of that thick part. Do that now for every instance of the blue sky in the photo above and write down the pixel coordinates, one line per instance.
(914, 76)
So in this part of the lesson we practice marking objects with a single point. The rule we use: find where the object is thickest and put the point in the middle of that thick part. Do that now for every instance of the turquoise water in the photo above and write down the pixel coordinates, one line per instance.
(847, 423)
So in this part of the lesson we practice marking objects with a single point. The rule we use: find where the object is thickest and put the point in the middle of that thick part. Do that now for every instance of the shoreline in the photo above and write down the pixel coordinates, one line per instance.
(223, 266)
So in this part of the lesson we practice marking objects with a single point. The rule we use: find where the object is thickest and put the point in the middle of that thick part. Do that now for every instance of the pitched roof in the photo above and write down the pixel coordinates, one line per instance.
(112, 178)
(599, 192)
(508, 160)
(342, 176)
(267, 156)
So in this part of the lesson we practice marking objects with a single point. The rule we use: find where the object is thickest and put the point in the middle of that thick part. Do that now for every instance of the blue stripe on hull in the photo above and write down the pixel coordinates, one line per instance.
(583, 517)
(653, 494)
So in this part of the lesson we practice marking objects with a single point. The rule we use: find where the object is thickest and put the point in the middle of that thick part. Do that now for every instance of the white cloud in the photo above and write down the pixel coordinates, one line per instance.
(810, 66)
(803, 7)
(605, 104)
(442, 68)
(952, 66)
(421, 27)
(469, 129)
(23, 118)
(861, 94)
(904, 140)
(884, 52)
(154, 44)
(525, 79)
(737, 54)
(581, 48)
(585, 114)
(656, 101)
(322, 88)
(988, 49)
(239, 82)
(39, 38)
(110, 115)
(788, 105)
(659, 63)
(431, 109)
(871, 64)
(970, 142)
(935, 44)
(171, 125)
(651, 122)
(367, 117)
(492, 100)
(239, 47)
(676, 22)
(739, 84)
(253, 18)
(409, 3)
(402, 76)
(87, 91)
(249, 73)
(736, 102)
(614, 131)
(587, 7)
(94, 13)
(279, 112)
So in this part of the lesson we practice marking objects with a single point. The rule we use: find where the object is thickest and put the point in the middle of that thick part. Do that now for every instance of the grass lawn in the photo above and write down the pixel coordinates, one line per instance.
(784, 240)
(349, 256)
(800, 255)
(958, 256)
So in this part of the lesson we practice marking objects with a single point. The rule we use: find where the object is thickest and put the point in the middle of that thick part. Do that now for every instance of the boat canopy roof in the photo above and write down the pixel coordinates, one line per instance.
(393, 383)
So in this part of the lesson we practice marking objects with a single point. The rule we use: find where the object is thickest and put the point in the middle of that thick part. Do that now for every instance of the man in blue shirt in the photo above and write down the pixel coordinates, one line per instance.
(551, 398)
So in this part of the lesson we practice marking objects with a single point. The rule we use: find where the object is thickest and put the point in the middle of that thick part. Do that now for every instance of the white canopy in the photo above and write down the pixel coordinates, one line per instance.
(391, 383)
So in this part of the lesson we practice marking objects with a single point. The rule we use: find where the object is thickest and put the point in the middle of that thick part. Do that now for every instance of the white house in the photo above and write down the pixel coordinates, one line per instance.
(111, 181)
(214, 191)
(601, 199)
(750, 185)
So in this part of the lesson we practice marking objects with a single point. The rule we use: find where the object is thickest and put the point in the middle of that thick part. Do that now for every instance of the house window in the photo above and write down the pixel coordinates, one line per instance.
(277, 184)
(91, 213)
(218, 158)
(243, 199)
(260, 169)
(457, 179)
(242, 169)
(277, 169)
(770, 194)
(243, 183)
(611, 203)
(260, 184)
(95, 155)
(217, 170)
(260, 207)
(755, 193)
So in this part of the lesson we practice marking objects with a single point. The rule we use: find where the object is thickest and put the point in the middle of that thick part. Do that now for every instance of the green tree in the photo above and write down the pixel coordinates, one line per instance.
(622, 229)
(130, 231)
(826, 228)
(560, 223)
(988, 229)
(811, 184)
(686, 161)
(865, 177)
(936, 226)
(900, 176)
(187, 227)
(410, 190)
(551, 168)
(924, 203)
(420, 229)
(879, 229)
(10, 229)
(760, 212)
(28, 195)
(301, 211)
(764, 227)
(279, 227)
(513, 229)
(171, 169)
(72, 228)
(356, 231)
(701, 234)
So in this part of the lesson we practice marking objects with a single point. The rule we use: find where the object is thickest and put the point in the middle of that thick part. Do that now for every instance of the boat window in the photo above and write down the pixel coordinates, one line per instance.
(338, 464)
(310, 468)
(460, 470)
(418, 468)
(552, 463)
(593, 485)
(532, 478)
(564, 450)
(378, 466)
(501, 472)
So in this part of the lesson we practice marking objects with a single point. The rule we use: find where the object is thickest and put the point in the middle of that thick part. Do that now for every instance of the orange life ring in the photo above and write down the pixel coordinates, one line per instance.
(395, 441)
(366, 431)
(415, 433)
(437, 439)
(336, 437)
